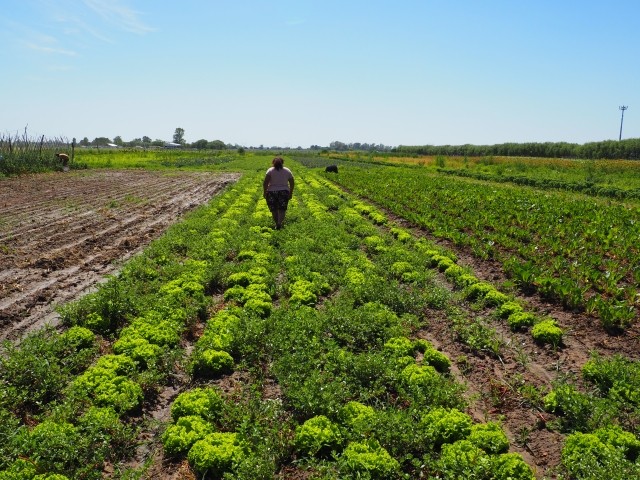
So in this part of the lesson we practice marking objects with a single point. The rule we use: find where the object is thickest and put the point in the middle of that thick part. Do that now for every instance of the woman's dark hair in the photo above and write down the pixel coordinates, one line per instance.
(278, 162)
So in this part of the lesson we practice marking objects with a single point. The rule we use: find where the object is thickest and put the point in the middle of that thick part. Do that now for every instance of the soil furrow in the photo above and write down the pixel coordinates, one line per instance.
(52, 253)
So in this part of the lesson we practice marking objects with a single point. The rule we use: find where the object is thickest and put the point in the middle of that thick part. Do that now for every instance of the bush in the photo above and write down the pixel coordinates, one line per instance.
(442, 425)
(178, 438)
(318, 436)
(547, 331)
(370, 458)
(211, 363)
(203, 402)
(489, 437)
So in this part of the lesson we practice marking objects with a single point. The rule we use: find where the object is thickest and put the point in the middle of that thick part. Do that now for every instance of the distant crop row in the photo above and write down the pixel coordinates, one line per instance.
(576, 250)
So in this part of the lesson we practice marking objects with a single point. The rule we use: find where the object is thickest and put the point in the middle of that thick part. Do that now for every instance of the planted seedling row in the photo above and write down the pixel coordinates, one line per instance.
(337, 343)
(86, 417)
(575, 250)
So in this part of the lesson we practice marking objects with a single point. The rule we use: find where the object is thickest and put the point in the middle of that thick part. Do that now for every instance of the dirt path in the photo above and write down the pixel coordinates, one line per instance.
(61, 233)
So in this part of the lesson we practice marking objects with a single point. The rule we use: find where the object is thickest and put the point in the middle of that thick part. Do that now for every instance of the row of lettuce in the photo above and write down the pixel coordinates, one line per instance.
(314, 329)
(572, 249)
(363, 397)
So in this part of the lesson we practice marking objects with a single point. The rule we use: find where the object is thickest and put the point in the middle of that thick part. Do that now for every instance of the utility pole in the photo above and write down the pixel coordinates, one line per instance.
(622, 108)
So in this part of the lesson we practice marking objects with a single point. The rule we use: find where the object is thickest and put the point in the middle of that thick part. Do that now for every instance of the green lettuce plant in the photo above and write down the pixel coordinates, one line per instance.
(358, 418)
(489, 437)
(464, 460)
(519, 320)
(369, 458)
(511, 466)
(203, 402)
(585, 455)
(443, 425)
(179, 437)
(216, 454)
(318, 436)
(547, 331)
(211, 363)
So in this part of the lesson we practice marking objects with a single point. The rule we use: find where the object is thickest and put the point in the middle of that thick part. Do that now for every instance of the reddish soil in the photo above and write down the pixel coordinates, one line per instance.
(61, 233)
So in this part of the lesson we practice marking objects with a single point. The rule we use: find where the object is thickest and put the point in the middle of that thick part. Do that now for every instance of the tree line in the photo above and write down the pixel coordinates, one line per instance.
(628, 149)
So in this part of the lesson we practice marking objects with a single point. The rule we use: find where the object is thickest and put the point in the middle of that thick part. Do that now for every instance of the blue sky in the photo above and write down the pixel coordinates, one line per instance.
(296, 73)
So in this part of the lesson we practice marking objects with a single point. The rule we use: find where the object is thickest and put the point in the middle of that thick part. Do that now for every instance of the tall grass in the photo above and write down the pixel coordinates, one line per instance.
(21, 153)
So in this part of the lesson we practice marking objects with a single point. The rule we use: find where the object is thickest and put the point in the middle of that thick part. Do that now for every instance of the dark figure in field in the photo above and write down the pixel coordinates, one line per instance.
(278, 189)
(64, 158)
(331, 168)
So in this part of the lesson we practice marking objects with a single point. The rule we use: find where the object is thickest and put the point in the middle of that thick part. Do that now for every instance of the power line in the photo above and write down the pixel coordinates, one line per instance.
(622, 108)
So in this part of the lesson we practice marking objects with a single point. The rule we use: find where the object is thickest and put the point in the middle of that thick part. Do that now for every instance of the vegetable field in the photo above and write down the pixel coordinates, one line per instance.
(389, 331)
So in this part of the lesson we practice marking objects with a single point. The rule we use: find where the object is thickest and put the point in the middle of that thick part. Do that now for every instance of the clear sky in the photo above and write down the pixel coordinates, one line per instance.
(302, 72)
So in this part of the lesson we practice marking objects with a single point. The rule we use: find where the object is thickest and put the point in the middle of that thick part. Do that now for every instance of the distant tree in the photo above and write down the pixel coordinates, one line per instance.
(338, 146)
(84, 142)
(200, 144)
(158, 143)
(241, 150)
(118, 140)
(146, 139)
(178, 136)
(101, 141)
(217, 145)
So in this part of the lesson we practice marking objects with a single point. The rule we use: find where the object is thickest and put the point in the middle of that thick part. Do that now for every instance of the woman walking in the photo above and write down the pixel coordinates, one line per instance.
(278, 189)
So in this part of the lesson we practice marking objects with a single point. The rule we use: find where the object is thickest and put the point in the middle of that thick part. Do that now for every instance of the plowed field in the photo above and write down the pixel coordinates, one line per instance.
(60, 233)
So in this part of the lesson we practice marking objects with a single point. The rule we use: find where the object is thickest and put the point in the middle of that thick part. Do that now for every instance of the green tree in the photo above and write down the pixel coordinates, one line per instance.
(178, 136)
(101, 141)
(217, 145)
(118, 140)
(200, 144)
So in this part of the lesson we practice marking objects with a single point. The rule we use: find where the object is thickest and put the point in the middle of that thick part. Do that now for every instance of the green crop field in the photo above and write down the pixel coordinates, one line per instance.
(409, 321)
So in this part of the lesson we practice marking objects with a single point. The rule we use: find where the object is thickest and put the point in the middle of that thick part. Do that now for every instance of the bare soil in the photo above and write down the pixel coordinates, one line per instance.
(61, 233)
